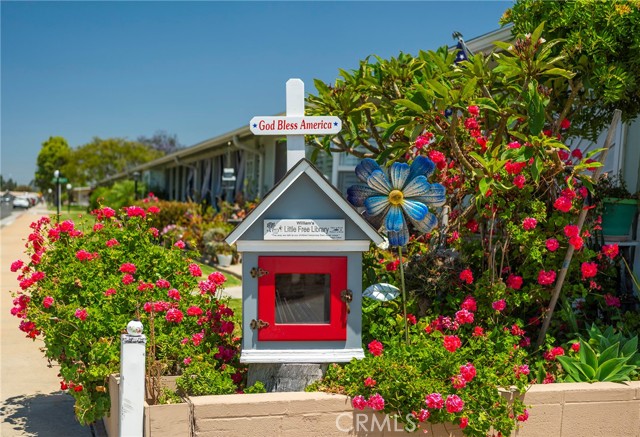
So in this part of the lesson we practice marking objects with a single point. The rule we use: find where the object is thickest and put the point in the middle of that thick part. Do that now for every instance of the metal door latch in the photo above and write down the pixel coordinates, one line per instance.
(257, 272)
(258, 324)
(347, 297)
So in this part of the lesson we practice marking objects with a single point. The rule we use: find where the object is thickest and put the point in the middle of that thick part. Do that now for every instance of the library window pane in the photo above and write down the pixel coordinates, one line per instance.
(302, 298)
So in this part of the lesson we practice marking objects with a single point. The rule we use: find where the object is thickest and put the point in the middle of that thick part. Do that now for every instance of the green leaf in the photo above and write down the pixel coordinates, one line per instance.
(392, 129)
(486, 103)
(587, 355)
(588, 371)
(593, 152)
(479, 158)
(469, 88)
(630, 347)
(622, 374)
(569, 366)
(440, 89)
(560, 72)
(503, 45)
(485, 185)
(609, 353)
(410, 105)
(607, 370)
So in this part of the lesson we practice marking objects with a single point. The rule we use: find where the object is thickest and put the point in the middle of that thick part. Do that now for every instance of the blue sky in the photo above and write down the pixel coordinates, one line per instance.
(196, 69)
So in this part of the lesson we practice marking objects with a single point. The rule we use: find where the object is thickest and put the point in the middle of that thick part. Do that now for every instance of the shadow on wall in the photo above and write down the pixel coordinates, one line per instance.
(41, 415)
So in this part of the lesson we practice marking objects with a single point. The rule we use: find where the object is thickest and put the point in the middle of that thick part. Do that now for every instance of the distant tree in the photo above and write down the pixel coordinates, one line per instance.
(601, 45)
(24, 188)
(5, 185)
(55, 154)
(162, 141)
(101, 158)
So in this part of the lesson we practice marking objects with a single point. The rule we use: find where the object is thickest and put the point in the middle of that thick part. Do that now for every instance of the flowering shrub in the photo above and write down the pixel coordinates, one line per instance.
(450, 372)
(81, 287)
(485, 281)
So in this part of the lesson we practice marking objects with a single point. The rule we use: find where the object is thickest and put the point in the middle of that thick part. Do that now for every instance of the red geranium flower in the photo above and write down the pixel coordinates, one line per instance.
(466, 276)
(589, 270)
(376, 348)
(451, 342)
(552, 244)
(529, 223)
(610, 250)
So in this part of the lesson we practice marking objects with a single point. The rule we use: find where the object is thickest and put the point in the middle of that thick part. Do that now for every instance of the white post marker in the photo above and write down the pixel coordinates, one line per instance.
(295, 125)
(132, 375)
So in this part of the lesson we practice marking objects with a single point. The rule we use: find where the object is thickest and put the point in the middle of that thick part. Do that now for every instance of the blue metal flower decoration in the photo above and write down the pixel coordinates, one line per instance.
(404, 192)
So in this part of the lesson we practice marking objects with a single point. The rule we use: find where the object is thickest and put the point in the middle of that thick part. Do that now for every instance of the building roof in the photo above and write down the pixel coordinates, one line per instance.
(304, 166)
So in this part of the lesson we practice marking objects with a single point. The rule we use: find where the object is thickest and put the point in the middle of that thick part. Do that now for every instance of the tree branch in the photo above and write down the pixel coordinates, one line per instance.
(372, 126)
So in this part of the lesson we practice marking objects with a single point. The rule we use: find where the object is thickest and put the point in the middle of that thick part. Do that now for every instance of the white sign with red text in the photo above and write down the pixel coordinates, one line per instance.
(292, 125)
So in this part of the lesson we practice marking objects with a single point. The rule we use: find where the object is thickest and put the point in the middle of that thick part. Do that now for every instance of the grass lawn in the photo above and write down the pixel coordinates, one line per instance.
(81, 218)
(232, 281)
(236, 306)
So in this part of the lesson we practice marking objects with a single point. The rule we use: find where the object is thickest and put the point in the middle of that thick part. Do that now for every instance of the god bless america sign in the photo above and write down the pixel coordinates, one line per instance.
(291, 125)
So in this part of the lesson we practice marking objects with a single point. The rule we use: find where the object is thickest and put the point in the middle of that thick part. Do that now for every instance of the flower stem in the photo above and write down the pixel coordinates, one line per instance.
(404, 298)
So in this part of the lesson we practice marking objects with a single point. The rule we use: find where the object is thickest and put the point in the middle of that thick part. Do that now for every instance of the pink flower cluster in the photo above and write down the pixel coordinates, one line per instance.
(195, 270)
(529, 223)
(466, 375)
(546, 277)
(452, 343)
(135, 211)
(83, 255)
(552, 353)
(609, 250)
(375, 402)
(81, 313)
(453, 403)
(572, 232)
(499, 305)
(128, 268)
(611, 300)
(521, 370)
(375, 348)
(466, 276)
(463, 317)
(212, 283)
(174, 315)
(514, 282)
(589, 270)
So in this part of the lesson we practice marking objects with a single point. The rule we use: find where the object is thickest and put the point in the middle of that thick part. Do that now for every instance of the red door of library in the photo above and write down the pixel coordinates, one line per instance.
(300, 298)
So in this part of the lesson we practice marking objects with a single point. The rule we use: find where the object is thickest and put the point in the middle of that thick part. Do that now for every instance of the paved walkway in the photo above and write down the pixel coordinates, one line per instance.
(31, 401)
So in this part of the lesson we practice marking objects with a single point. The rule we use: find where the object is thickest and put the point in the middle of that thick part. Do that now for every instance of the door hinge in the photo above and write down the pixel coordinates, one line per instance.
(258, 324)
(257, 272)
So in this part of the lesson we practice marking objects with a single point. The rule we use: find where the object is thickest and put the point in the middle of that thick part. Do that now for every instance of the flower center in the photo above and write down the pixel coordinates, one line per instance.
(396, 197)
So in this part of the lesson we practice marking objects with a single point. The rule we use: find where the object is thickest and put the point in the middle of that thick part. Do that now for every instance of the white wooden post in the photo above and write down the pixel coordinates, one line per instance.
(295, 125)
(295, 108)
(132, 376)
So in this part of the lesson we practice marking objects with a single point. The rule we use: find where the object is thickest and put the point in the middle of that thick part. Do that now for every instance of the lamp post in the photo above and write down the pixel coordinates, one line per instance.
(50, 192)
(56, 176)
(136, 178)
(69, 186)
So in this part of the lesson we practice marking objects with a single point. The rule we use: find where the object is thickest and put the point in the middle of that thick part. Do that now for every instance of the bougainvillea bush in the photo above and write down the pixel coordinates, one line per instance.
(81, 287)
